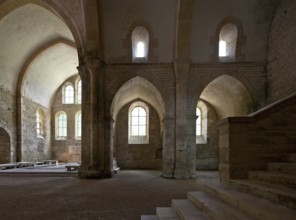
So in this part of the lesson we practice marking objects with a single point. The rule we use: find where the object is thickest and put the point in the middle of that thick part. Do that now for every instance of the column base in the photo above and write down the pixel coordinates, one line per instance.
(184, 175)
(94, 174)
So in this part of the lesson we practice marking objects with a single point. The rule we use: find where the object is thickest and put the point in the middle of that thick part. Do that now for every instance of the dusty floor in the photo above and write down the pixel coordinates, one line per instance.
(127, 195)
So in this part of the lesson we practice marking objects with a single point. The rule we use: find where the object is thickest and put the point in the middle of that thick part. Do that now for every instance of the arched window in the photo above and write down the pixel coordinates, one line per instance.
(78, 125)
(40, 127)
(201, 122)
(78, 91)
(138, 123)
(68, 94)
(140, 44)
(227, 42)
(61, 125)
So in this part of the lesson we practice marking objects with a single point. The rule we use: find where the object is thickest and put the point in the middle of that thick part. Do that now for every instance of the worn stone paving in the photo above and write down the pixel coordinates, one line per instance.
(126, 196)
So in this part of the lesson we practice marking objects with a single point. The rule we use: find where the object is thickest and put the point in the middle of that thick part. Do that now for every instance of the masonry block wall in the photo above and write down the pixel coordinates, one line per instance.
(251, 75)
(250, 143)
(138, 156)
(68, 150)
(163, 78)
(34, 148)
(8, 124)
(282, 52)
(207, 153)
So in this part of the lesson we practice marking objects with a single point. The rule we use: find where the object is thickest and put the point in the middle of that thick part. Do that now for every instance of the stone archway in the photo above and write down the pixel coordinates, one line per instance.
(228, 96)
(143, 156)
(4, 146)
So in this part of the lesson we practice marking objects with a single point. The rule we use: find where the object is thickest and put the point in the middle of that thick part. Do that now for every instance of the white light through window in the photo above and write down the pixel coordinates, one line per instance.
(198, 121)
(138, 123)
(140, 51)
(79, 92)
(222, 48)
(78, 125)
(68, 94)
(62, 125)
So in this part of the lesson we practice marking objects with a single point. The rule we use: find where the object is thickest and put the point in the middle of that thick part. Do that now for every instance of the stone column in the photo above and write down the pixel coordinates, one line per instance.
(168, 152)
(185, 159)
(94, 161)
(185, 149)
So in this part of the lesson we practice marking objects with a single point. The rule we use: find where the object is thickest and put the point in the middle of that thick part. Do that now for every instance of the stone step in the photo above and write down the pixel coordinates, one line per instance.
(187, 210)
(166, 213)
(283, 167)
(148, 217)
(274, 177)
(216, 209)
(292, 158)
(258, 208)
(274, 193)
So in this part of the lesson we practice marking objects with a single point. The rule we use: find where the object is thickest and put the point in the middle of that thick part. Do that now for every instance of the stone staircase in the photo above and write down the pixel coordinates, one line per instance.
(266, 195)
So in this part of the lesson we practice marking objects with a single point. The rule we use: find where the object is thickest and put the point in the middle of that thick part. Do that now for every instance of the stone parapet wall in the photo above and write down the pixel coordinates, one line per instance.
(249, 143)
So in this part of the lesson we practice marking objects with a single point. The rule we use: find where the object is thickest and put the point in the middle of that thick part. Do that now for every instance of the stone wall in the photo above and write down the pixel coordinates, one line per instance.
(249, 143)
(8, 123)
(138, 156)
(163, 78)
(34, 147)
(282, 52)
(251, 75)
(207, 153)
(68, 150)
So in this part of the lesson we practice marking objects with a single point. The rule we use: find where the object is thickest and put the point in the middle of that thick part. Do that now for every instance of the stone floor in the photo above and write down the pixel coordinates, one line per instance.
(128, 195)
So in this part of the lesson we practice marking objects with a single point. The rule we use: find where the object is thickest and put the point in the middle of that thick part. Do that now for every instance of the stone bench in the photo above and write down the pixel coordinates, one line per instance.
(51, 162)
(116, 169)
(8, 166)
(39, 163)
(24, 164)
(72, 166)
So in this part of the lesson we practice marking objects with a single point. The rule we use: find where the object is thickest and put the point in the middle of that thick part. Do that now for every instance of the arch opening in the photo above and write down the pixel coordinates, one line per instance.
(228, 96)
(130, 151)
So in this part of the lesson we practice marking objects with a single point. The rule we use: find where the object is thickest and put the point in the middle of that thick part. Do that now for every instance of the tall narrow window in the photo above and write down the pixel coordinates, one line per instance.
(198, 121)
(227, 42)
(40, 123)
(140, 44)
(61, 125)
(68, 94)
(79, 92)
(138, 123)
(78, 125)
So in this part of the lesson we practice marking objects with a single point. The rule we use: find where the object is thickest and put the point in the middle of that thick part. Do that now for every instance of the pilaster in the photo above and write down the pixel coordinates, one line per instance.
(95, 162)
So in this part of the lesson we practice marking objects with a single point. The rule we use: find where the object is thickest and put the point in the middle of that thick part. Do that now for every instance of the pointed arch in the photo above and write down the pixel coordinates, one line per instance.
(228, 96)
(137, 88)
(55, 7)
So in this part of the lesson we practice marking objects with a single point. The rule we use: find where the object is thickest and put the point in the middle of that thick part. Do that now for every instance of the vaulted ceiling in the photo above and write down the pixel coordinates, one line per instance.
(38, 51)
